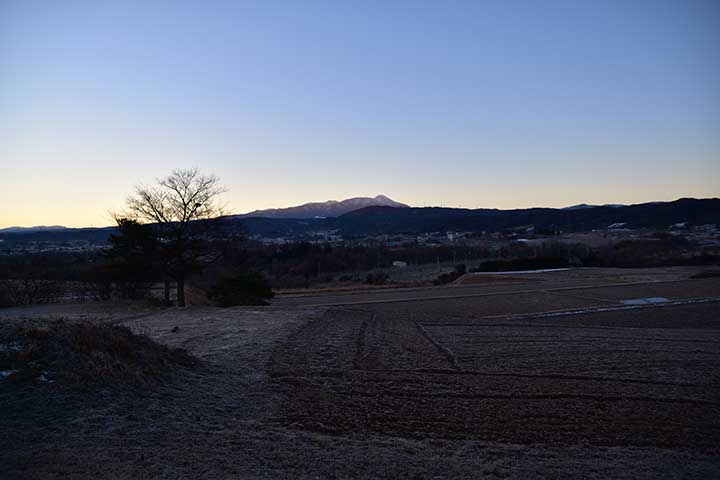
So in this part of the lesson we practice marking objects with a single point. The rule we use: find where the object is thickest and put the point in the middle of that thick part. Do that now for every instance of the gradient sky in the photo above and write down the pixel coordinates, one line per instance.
(474, 104)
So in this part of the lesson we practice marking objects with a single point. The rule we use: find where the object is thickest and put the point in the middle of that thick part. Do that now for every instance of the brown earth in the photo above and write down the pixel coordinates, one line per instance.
(474, 387)
(556, 382)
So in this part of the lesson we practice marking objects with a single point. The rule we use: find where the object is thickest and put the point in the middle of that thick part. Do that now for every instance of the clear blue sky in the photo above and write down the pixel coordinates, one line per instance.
(475, 104)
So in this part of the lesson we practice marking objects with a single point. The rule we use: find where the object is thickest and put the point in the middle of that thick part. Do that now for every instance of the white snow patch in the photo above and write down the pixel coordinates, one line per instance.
(6, 373)
(614, 308)
(645, 300)
(509, 272)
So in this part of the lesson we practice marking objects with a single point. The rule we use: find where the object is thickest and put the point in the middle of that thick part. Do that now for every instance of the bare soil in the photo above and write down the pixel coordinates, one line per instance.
(384, 370)
(484, 387)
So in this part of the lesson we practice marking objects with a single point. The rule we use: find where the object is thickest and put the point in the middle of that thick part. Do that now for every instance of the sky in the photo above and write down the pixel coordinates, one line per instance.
(476, 104)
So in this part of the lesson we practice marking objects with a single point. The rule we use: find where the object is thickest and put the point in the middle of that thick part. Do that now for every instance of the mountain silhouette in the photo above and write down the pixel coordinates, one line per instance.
(328, 209)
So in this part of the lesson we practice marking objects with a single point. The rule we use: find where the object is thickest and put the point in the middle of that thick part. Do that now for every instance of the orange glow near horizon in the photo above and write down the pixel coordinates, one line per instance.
(482, 104)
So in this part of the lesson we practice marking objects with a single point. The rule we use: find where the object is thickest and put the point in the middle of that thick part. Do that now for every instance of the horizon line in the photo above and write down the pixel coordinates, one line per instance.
(58, 226)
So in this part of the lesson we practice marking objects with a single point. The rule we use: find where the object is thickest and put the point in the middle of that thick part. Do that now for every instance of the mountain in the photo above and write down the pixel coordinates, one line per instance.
(583, 206)
(56, 235)
(387, 220)
(329, 209)
(391, 220)
(39, 228)
(418, 220)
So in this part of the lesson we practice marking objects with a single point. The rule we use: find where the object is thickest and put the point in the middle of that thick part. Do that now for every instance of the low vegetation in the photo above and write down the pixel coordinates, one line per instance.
(244, 289)
(377, 278)
(706, 274)
(450, 277)
(123, 271)
(83, 354)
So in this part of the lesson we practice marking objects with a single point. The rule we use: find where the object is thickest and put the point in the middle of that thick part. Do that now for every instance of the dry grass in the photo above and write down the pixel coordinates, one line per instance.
(84, 353)
(401, 390)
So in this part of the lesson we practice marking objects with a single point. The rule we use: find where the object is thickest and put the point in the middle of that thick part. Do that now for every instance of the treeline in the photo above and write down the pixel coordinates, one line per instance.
(50, 277)
(302, 264)
(241, 268)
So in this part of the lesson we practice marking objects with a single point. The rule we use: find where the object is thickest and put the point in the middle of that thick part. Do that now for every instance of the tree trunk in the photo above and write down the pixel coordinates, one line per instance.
(181, 291)
(167, 292)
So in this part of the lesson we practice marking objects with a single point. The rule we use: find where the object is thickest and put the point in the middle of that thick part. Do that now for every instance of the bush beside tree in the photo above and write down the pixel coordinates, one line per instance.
(250, 288)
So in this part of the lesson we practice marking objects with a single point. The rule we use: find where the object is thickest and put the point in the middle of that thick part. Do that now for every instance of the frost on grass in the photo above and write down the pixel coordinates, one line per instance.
(84, 353)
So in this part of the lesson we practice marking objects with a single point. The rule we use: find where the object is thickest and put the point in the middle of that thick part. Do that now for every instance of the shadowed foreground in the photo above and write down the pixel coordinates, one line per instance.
(469, 387)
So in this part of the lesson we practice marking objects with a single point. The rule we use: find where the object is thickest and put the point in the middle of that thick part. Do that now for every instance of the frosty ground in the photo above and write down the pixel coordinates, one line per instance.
(466, 381)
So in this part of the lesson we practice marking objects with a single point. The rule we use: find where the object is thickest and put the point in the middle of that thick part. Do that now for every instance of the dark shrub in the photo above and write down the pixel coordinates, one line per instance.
(377, 278)
(29, 291)
(450, 277)
(245, 289)
(706, 274)
(6, 299)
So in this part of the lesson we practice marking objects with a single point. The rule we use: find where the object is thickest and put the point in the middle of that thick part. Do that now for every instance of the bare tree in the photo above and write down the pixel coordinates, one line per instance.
(181, 209)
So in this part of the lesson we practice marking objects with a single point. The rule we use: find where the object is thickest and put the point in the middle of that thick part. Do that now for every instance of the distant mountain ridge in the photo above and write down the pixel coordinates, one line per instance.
(420, 220)
(38, 228)
(328, 209)
(583, 206)
(413, 220)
